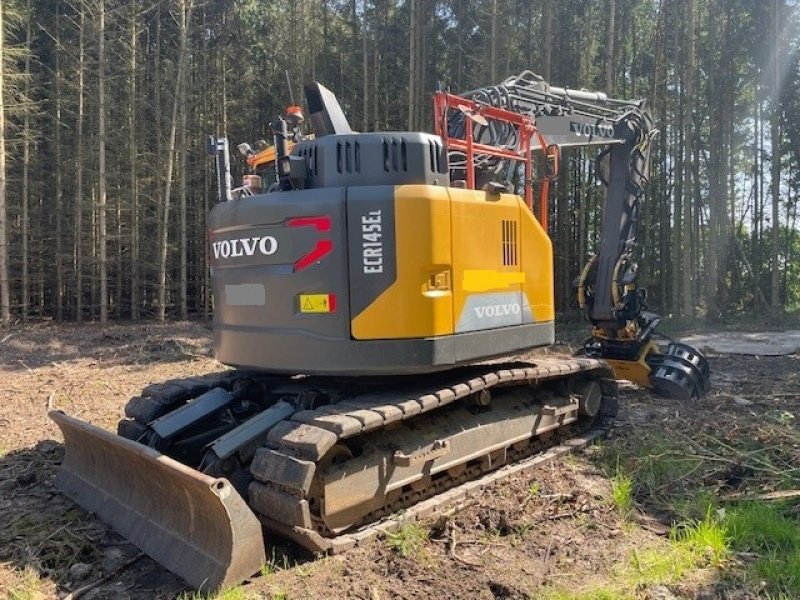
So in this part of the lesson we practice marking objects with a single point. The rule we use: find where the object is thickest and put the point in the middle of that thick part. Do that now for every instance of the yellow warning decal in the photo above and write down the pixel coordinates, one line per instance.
(317, 303)
(484, 280)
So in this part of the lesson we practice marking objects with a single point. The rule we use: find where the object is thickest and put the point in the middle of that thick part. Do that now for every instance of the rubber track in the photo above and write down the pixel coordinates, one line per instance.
(285, 466)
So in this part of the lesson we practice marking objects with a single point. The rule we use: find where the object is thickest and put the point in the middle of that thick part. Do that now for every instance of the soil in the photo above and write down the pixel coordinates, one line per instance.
(525, 536)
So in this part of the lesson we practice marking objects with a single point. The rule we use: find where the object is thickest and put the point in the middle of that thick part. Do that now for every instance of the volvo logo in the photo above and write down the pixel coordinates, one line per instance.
(266, 245)
(497, 310)
(605, 130)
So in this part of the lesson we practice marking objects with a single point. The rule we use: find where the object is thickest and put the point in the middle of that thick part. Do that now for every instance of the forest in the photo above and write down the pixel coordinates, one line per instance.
(105, 106)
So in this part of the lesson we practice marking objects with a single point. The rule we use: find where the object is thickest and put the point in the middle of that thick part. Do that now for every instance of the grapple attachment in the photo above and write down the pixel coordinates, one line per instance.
(197, 526)
(679, 371)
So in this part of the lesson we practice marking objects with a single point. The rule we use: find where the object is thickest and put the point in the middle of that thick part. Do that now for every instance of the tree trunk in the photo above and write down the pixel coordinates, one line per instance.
(59, 191)
(759, 193)
(493, 45)
(689, 137)
(610, 51)
(26, 179)
(5, 304)
(79, 143)
(186, 16)
(133, 165)
(101, 159)
(775, 174)
(413, 44)
(158, 82)
(365, 69)
(183, 150)
(547, 38)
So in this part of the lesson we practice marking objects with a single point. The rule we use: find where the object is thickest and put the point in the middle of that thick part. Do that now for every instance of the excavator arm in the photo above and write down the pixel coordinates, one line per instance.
(492, 132)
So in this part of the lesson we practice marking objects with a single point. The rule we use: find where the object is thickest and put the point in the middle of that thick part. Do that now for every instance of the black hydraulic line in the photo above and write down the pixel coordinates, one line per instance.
(579, 118)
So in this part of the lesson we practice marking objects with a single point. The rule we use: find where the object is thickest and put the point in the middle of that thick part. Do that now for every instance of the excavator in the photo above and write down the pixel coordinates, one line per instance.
(377, 296)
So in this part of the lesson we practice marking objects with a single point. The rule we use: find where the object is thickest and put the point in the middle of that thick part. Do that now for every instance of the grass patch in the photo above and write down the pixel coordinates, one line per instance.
(54, 535)
(234, 593)
(28, 588)
(707, 539)
(598, 593)
(267, 570)
(408, 540)
(767, 531)
(657, 565)
(691, 546)
(670, 473)
(622, 493)
(277, 561)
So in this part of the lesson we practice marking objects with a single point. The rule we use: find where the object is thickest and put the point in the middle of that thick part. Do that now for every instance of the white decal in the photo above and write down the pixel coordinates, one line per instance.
(497, 310)
(372, 242)
(266, 245)
(592, 130)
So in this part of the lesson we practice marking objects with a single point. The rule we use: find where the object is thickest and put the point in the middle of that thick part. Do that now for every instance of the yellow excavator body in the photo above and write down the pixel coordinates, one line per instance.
(378, 302)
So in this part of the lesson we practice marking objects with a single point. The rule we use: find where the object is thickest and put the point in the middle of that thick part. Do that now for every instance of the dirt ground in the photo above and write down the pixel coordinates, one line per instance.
(526, 538)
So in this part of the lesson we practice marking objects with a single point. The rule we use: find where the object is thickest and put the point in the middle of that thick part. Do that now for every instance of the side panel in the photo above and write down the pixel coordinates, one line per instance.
(464, 261)
(487, 279)
(536, 251)
(258, 285)
(502, 263)
(418, 302)
(371, 244)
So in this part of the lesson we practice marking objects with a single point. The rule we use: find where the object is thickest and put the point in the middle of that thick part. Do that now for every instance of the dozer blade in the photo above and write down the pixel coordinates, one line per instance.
(197, 526)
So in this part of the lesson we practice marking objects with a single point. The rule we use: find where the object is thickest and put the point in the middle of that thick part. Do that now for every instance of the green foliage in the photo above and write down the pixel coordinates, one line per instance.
(598, 593)
(792, 267)
(622, 493)
(757, 541)
(407, 541)
(29, 587)
(234, 593)
(769, 532)
(267, 569)
(707, 538)
(691, 546)
(279, 561)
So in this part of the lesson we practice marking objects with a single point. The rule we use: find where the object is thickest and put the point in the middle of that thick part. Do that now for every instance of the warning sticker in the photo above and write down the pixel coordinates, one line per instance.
(317, 303)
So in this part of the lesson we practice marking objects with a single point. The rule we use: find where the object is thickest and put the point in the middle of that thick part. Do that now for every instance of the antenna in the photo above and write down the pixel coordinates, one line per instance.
(289, 83)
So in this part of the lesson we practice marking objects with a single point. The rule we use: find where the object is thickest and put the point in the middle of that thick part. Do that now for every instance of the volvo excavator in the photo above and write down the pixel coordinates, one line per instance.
(377, 296)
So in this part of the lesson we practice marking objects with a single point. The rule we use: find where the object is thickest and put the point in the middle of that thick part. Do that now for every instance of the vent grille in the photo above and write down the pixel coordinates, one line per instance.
(395, 155)
(509, 243)
(436, 157)
(310, 154)
(348, 157)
